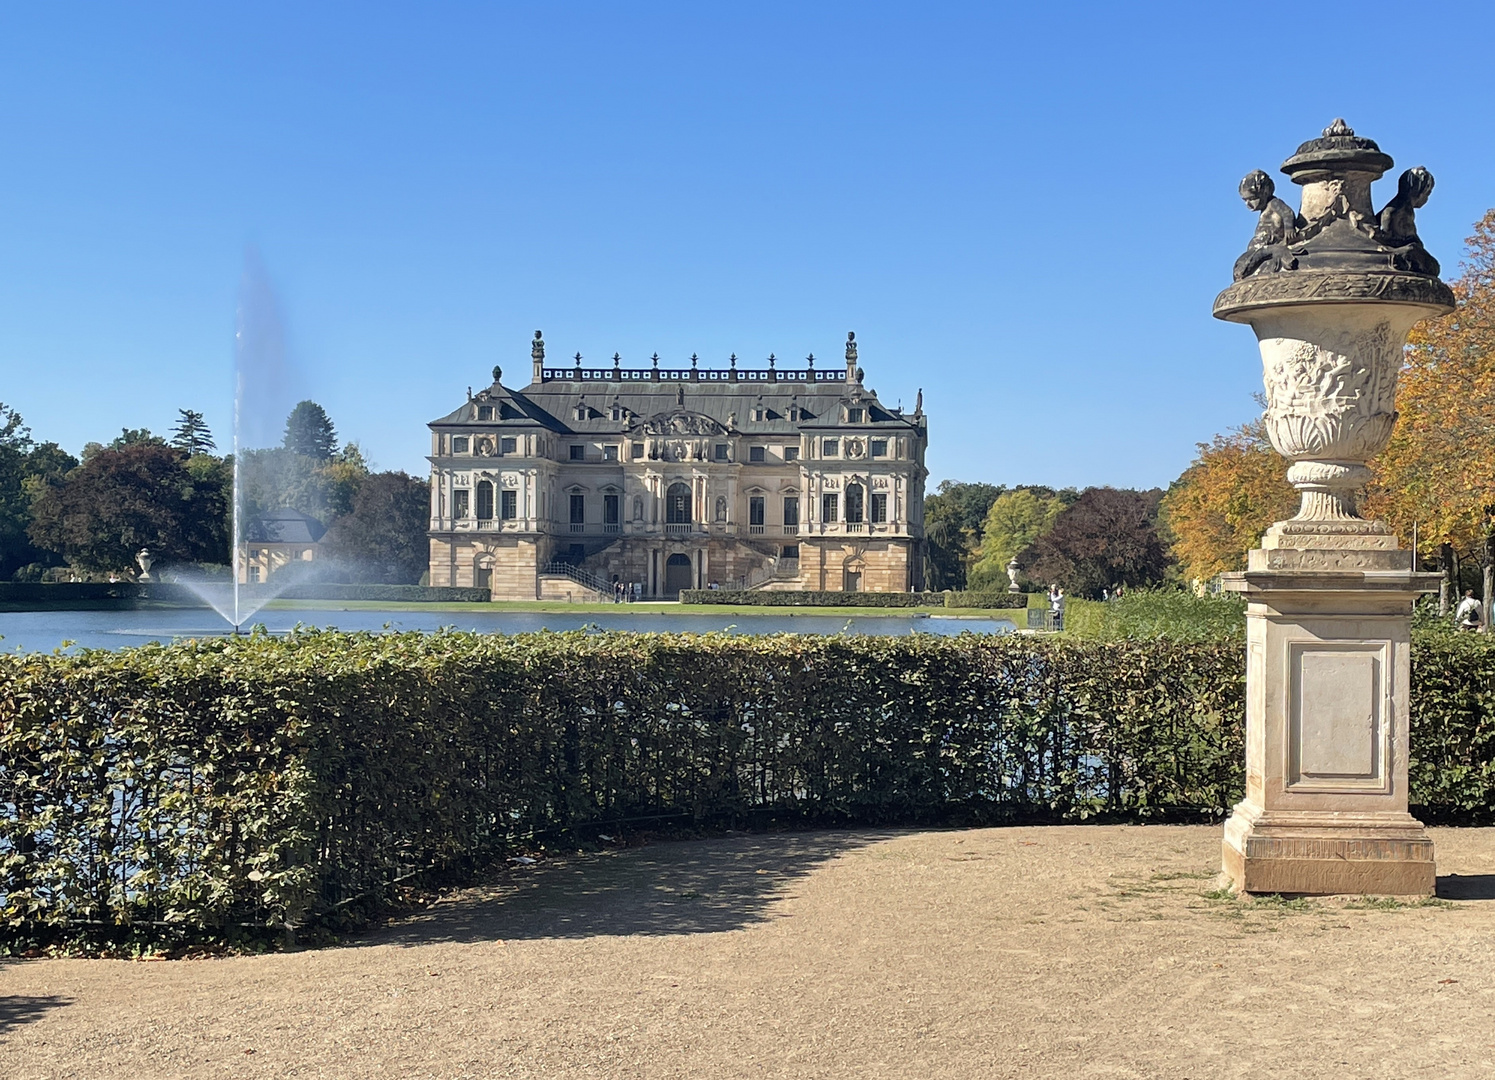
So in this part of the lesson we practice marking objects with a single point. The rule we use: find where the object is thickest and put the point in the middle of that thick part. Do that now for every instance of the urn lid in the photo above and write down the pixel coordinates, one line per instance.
(1336, 152)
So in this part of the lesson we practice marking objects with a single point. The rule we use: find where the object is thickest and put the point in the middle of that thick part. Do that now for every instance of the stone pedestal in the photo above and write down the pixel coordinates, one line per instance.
(1327, 638)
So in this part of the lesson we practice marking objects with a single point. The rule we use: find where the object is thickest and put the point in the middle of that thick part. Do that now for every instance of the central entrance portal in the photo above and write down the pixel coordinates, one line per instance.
(676, 574)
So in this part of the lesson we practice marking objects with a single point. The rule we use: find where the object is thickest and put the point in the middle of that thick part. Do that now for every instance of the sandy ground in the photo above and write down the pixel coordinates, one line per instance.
(1032, 952)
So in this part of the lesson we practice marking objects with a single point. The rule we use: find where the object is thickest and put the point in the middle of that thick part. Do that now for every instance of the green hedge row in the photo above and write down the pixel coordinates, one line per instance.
(71, 595)
(810, 598)
(986, 600)
(200, 790)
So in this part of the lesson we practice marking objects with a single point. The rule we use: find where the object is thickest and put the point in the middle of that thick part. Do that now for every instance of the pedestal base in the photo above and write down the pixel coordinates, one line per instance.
(1305, 855)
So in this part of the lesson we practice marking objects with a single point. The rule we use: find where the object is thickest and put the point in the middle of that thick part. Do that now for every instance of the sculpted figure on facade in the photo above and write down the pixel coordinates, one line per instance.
(1398, 223)
(1276, 228)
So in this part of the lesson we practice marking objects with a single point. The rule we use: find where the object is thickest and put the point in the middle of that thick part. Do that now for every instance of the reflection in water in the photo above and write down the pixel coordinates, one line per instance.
(42, 631)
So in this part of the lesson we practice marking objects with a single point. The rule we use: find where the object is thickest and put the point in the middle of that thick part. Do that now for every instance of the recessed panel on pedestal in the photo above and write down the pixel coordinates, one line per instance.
(1338, 722)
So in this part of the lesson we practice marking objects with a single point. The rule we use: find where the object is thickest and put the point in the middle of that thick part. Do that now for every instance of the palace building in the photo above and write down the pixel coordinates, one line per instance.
(678, 478)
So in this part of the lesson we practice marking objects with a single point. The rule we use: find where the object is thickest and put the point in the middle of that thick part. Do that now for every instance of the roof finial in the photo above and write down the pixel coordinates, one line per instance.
(498, 373)
(1339, 127)
(537, 353)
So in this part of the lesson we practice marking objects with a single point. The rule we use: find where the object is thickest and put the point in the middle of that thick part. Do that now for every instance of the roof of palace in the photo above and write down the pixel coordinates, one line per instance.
(284, 526)
(690, 401)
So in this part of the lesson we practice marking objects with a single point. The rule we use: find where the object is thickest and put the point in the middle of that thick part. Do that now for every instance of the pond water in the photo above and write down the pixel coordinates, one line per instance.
(43, 631)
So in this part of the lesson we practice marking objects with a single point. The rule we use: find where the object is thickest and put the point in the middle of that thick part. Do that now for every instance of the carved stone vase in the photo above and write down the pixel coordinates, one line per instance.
(1331, 291)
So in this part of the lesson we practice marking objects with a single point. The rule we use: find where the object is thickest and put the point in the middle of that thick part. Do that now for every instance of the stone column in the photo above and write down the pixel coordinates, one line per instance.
(1331, 293)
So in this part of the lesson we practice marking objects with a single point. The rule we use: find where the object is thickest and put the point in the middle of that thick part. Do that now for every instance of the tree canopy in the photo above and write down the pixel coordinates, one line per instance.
(1015, 520)
(383, 538)
(119, 500)
(1217, 510)
(1107, 537)
(309, 432)
(191, 435)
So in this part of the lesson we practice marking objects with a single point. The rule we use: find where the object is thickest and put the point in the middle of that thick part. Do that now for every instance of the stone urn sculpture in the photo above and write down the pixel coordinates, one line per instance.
(143, 558)
(1012, 572)
(1331, 291)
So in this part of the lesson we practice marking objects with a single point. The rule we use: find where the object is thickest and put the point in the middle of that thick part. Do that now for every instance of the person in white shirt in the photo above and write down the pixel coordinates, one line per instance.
(1469, 615)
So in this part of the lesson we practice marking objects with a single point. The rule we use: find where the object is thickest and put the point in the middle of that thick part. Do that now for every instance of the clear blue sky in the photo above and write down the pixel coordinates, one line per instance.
(1026, 210)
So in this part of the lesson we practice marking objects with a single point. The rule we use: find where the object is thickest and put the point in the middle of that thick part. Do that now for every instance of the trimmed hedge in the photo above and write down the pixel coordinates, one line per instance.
(72, 595)
(243, 786)
(986, 600)
(810, 598)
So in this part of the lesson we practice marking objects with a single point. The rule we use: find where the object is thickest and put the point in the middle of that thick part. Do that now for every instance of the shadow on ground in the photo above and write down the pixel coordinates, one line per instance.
(1466, 887)
(676, 887)
(18, 1009)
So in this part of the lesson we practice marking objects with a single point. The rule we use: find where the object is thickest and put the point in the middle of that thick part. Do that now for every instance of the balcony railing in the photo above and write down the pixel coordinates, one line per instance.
(682, 528)
(755, 530)
(791, 530)
(855, 527)
(578, 526)
(611, 526)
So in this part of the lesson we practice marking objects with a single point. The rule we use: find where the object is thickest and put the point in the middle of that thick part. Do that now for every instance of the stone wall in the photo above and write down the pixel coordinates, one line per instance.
(882, 565)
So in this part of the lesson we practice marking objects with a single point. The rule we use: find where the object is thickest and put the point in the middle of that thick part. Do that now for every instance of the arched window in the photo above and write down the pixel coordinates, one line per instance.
(485, 500)
(853, 503)
(677, 505)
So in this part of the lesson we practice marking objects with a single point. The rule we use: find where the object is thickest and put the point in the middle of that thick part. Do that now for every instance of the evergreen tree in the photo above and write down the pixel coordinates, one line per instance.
(309, 432)
(191, 435)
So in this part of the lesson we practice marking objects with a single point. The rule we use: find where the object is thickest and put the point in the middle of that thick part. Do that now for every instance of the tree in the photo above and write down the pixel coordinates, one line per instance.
(191, 435)
(1107, 537)
(275, 478)
(120, 500)
(309, 432)
(953, 519)
(25, 466)
(1217, 510)
(1015, 520)
(1438, 471)
(383, 539)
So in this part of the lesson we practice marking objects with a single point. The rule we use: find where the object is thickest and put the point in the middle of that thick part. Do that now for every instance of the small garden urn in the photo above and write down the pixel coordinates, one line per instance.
(1331, 291)
(143, 558)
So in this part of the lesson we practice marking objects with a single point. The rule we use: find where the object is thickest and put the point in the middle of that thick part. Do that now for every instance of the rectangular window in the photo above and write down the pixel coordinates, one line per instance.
(720, 452)
(638, 451)
(508, 505)
(485, 412)
(508, 445)
(853, 416)
(254, 575)
(830, 508)
(459, 444)
(791, 509)
(610, 505)
(578, 453)
(755, 510)
(578, 509)
(879, 508)
(485, 501)
(459, 503)
(879, 447)
(854, 503)
(791, 453)
(755, 453)
(609, 453)
(830, 448)
(789, 551)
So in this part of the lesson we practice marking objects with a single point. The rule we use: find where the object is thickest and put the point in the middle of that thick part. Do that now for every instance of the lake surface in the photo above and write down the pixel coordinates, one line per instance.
(43, 631)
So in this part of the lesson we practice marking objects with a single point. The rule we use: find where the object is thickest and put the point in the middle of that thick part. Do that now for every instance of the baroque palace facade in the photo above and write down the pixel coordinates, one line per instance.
(678, 478)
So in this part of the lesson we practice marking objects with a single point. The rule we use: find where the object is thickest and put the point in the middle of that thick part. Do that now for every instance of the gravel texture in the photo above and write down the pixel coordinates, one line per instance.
(1095, 951)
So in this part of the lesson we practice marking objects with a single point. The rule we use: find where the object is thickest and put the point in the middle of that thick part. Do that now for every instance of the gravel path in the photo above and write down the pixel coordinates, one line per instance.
(1032, 952)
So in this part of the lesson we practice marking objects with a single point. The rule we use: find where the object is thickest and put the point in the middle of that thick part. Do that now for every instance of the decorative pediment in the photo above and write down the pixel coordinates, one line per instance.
(680, 422)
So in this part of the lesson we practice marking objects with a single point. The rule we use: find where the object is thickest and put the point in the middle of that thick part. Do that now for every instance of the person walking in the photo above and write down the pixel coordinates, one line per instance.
(1056, 606)
(1469, 615)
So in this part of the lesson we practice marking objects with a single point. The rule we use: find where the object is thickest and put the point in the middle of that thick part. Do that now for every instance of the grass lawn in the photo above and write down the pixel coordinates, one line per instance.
(646, 608)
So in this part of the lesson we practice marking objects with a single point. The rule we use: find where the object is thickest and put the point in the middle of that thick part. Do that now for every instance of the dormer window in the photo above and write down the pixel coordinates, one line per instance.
(581, 412)
(760, 414)
(854, 415)
(485, 412)
(617, 412)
